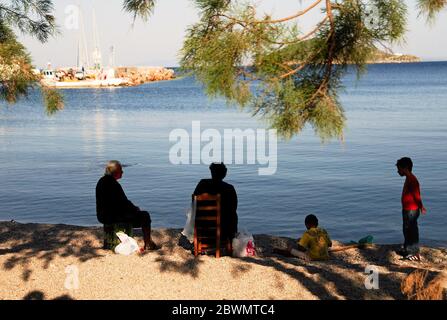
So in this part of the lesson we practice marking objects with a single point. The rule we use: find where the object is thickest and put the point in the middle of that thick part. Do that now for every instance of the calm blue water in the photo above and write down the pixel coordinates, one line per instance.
(50, 165)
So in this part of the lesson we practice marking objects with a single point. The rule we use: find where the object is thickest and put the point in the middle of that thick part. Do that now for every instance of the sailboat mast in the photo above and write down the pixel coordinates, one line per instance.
(97, 57)
(112, 57)
(83, 60)
(78, 58)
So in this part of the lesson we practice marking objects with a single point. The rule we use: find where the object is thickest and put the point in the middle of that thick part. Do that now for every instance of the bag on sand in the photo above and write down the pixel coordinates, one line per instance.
(188, 230)
(127, 246)
(244, 245)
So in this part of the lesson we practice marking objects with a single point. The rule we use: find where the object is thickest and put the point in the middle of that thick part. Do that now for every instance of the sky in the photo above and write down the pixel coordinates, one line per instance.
(157, 42)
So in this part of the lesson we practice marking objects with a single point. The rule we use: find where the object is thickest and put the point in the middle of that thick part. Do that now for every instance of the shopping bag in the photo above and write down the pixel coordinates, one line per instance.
(188, 230)
(244, 245)
(127, 246)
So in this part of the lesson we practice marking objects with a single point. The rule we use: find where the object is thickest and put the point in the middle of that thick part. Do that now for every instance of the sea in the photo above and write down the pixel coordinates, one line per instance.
(50, 164)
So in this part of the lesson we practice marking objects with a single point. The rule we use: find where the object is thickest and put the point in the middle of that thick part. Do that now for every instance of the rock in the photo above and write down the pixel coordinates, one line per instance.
(140, 75)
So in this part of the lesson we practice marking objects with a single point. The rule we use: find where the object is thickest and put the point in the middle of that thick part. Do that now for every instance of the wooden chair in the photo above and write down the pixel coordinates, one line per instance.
(207, 225)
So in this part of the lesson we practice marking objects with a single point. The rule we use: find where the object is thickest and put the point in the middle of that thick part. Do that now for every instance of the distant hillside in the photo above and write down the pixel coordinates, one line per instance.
(379, 56)
(384, 57)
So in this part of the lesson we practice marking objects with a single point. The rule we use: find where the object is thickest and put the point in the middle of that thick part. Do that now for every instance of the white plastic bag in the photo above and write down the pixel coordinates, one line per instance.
(188, 231)
(244, 245)
(127, 246)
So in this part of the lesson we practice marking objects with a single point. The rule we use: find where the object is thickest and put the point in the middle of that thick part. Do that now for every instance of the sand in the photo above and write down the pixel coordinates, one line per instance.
(40, 261)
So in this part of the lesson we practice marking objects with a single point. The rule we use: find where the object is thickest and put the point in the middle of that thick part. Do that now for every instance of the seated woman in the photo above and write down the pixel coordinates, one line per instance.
(216, 185)
(113, 207)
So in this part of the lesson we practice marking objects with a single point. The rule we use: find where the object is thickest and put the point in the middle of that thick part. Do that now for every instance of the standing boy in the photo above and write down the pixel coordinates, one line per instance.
(412, 207)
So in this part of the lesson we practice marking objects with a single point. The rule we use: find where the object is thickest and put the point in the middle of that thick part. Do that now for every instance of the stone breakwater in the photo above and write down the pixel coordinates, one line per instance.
(140, 75)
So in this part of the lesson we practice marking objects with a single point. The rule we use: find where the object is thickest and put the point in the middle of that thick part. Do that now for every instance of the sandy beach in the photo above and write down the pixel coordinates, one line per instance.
(35, 260)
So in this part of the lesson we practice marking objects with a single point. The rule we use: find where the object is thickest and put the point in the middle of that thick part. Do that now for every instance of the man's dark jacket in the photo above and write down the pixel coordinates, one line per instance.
(112, 205)
(228, 199)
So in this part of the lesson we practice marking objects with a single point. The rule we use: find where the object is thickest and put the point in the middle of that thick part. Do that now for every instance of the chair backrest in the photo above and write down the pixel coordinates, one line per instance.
(207, 225)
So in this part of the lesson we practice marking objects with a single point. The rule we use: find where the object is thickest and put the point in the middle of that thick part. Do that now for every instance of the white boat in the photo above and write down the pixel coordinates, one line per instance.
(115, 82)
(49, 75)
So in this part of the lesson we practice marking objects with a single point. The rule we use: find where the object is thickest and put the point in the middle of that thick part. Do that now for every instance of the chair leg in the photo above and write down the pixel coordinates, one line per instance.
(217, 252)
(196, 245)
(230, 248)
(218, 246)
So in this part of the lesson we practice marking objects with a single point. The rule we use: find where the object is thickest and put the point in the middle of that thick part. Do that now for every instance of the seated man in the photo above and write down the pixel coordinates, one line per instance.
(228, 195)
(313, 245)
(112, 205)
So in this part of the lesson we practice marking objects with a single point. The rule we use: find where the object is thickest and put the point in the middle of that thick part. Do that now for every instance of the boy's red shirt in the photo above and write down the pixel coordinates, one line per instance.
(411, 194)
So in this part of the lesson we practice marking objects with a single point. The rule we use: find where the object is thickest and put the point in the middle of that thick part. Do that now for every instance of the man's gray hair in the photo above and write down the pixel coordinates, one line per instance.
(112, 166)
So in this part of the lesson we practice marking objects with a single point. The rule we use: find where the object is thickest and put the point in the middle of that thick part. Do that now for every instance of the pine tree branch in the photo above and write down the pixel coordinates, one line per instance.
(302, 38)
(41, 28)
(142, 8)
(285, 19)
(294, 16)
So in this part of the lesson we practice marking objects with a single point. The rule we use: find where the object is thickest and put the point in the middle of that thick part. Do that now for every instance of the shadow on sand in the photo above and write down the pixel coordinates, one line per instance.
(45, 242)
(343, 277)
